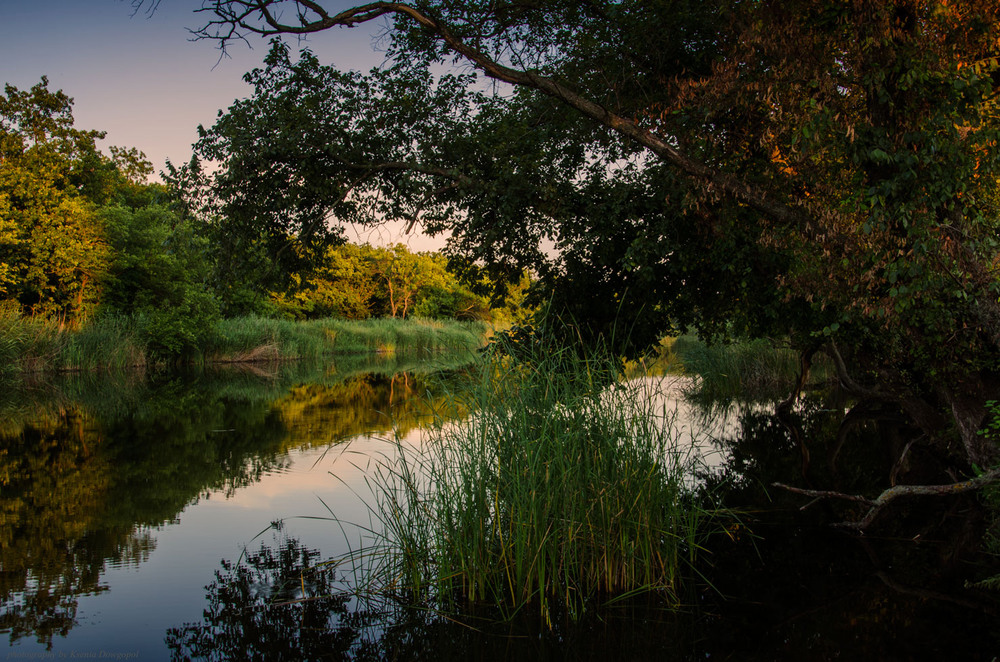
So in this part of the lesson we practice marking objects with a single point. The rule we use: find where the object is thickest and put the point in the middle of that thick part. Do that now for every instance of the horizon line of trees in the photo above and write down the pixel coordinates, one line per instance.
(84, 235)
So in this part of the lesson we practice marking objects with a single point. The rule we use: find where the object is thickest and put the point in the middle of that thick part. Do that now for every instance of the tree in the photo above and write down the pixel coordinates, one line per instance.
(53, 184)
(359, 281)
(159, 275)
(816, 169)
(342, 285)
(52, 253)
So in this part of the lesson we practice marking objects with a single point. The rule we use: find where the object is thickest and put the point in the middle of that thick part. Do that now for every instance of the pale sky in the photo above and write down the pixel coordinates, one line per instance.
(141, 79)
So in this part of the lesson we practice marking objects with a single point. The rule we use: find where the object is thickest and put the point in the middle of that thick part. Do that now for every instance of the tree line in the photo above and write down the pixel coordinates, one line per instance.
(83, 235)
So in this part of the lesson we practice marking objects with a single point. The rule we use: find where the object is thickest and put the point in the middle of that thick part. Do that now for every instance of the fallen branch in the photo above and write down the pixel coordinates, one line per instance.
(891, 494)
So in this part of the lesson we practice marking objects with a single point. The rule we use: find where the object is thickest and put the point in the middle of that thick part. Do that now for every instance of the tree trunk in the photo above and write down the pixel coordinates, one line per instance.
(967, 402)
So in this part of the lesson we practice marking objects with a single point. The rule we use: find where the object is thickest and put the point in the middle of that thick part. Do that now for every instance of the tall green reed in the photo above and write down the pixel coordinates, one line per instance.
(249, 338)
(106, 342)
(25, 342)
(566, 487)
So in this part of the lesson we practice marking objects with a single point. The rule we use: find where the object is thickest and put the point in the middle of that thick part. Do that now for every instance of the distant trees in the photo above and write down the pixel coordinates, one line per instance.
(83, 234)
(357, 282)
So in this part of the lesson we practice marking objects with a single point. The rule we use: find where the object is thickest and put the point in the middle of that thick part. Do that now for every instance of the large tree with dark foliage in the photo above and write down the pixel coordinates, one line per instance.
(824, 171)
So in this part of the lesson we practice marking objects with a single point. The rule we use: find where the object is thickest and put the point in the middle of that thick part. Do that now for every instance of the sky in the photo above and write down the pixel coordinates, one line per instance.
(139, 76)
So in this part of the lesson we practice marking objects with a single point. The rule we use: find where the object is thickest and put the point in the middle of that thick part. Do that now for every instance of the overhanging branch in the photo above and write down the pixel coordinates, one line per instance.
(258, 17)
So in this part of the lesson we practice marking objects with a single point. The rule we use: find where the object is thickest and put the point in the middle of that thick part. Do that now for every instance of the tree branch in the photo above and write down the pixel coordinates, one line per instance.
(891, 494)
(240, 13)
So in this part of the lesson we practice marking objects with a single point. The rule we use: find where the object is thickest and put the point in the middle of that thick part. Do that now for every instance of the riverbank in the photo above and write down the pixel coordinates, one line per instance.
(34, 345)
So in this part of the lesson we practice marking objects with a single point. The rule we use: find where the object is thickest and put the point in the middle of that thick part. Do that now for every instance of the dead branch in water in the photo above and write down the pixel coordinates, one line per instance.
(891, 494)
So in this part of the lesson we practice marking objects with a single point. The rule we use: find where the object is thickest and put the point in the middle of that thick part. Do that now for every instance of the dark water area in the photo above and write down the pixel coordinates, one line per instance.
(189, 516)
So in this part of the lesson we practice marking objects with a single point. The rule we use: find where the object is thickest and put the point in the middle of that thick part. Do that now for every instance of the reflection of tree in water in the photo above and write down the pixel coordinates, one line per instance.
(321, 414)
(84, 478)
(279, 604)
(275, 604)
(53, 543)
(797, 588)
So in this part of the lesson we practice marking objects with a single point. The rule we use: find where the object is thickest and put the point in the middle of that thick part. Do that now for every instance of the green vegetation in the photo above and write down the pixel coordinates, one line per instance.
(357, 282)
(99, 269)
(763, 367)
(247, 338)
(116, 342)
(563, 490)
(808, 170)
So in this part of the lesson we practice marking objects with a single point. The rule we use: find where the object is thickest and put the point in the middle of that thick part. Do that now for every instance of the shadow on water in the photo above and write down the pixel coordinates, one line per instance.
(282, 603)
(91, 466)
(799, 587)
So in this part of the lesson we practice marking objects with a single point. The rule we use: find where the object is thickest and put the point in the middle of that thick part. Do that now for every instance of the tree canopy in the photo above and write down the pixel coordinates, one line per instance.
(84, 237)
(821, 170)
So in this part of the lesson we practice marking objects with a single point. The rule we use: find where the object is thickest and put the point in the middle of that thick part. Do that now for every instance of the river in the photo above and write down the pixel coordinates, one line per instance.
(151, 516)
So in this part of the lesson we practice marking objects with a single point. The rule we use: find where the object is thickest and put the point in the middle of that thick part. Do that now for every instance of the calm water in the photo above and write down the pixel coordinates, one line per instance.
(137, 520)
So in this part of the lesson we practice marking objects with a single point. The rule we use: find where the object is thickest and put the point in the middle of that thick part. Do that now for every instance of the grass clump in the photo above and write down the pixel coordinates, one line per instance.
(24, 342)
(108, 343)
(728, 370)
(565, 488)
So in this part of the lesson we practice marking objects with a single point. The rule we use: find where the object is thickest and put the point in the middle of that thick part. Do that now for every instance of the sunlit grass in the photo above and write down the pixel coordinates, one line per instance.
(29, 345)
(243, 336)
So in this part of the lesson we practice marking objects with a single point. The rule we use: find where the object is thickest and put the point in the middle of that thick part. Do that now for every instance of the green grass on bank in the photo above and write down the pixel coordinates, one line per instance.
(250, 338)
(115, 343)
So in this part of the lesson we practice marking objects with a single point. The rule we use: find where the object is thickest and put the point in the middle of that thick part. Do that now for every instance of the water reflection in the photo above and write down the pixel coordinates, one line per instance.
(785, 586)
(277, 603)
(94, 474)
(92, 469)
(791, 587)
(282, 603)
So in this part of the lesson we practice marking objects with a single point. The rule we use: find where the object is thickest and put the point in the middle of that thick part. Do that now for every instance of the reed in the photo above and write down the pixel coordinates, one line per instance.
(25, 342)
(762, 367)
(566, 488)
(108, 343)
(112, 343)
(240, 338)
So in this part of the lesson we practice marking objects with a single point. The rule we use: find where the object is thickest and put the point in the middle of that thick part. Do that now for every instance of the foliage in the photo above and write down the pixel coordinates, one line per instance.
(360, 281)
(53, 185)
(81, 233)
(807, 169)
(52, 252)
(159, 275)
